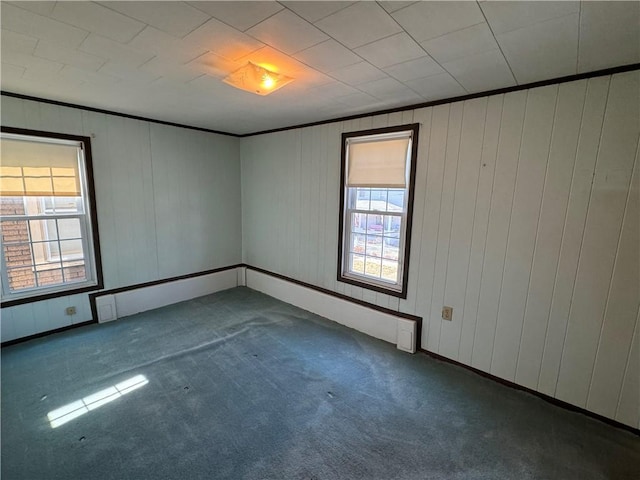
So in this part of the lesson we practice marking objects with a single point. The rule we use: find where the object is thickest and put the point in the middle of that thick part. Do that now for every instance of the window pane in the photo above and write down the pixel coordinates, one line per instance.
(392, 225)
(69, 228)
(396, 199)
(21, 278)
(43, 230)
(17, 255)
(15, 231)
(357, 243)
(50, 277)
(71, 249)
(75, 274)
(379, 200)
(390, 270)
(363, 195)
(356, 263)
(391, 248)
(50, 229)
(34, 205)
(46, 252)
(62, 205)
(374, 245)
(358, 222)
(373, 267)
(374, 224)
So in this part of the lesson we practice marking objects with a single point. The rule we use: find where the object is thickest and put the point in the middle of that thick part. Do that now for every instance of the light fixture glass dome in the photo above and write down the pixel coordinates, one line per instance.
(256, 79)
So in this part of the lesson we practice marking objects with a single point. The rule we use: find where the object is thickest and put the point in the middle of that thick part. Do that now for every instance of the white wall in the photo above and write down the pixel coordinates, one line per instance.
(525, 221)
(168, 202)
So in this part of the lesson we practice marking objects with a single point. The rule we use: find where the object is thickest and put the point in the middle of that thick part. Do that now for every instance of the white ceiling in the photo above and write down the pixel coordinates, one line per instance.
(165, 60)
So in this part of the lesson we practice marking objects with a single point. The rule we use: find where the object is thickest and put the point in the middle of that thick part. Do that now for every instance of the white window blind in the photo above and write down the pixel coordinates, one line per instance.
(378, 161)
(35, 169)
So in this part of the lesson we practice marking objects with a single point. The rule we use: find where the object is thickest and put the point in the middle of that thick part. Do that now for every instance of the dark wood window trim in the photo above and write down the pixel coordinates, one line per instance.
(414, 127)
(86, 144)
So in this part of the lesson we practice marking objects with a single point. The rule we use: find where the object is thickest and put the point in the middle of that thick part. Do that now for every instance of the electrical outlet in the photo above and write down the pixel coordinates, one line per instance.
(70, 310)
(447, 313)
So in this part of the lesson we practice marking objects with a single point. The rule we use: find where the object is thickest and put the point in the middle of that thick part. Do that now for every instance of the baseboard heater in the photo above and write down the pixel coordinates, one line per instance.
(110, 305)
(394, 327)
(400, 329)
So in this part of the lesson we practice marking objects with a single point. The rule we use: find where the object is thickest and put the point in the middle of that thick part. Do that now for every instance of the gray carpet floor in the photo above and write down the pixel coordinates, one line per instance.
(242, 386)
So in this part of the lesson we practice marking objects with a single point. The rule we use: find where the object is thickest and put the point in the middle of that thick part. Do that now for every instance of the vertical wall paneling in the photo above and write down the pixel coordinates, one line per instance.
(435, 151)
(480, 224)
(628, 406)
(498, 227)
(314, 191)
(65, 120)
(196, 189)
(525, 214)
(562, 155)
(622, 303)
(321, 187)
(445, 221)
(331, 135)
(297, 191)
(95, 127)
(127, 143)
(13, 108)
(616, 156)
(32, 115)
(248, 150)
(579, 195)
(473, 124)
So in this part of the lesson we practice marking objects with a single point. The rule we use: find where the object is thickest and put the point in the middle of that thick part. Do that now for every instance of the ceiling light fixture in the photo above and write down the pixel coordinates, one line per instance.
(256, 79)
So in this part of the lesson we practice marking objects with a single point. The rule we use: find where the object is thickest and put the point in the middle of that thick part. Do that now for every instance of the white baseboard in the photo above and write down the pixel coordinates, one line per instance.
(391, 328)
(242, 276)
(156, 296)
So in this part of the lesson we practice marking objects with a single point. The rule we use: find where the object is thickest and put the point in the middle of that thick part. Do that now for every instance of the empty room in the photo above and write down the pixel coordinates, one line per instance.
(320, 240)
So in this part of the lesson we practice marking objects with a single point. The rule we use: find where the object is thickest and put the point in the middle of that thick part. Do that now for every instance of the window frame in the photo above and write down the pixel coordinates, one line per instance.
(405, 237)
(93, 256)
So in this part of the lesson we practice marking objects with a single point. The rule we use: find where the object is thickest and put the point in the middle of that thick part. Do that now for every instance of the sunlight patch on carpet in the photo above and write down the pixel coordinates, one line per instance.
(65, 414)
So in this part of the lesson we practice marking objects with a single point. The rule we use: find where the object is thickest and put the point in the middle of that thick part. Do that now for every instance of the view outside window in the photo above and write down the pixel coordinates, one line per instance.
(376, 222)
(42, 242)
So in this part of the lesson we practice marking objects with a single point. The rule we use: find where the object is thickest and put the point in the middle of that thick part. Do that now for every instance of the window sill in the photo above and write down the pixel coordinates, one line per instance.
(400, 291)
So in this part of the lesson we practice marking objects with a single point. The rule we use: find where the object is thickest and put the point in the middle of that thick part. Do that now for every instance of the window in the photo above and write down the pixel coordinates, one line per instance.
(49, 233)
(376, 203)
